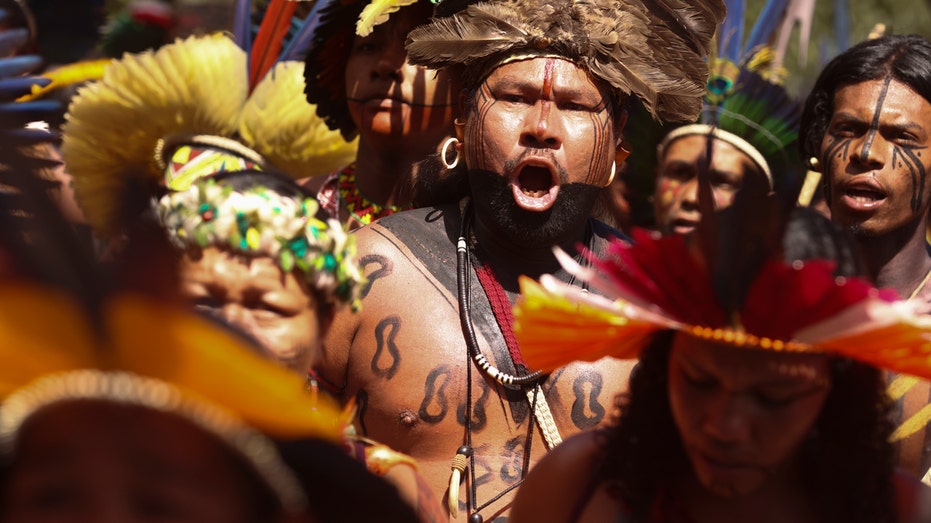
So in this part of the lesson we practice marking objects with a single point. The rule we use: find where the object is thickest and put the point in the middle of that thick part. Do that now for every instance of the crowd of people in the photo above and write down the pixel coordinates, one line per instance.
(353, 260)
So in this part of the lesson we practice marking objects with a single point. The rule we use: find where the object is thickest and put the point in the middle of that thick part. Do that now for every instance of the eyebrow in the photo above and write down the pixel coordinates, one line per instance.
(909, 125)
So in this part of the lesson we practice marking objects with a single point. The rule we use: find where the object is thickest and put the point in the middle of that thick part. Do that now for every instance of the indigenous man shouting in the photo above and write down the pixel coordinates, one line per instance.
(431, 361)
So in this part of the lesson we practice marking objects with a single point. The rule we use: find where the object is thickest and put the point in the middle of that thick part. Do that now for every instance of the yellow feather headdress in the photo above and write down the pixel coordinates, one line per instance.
(196, 86)
(154, 355)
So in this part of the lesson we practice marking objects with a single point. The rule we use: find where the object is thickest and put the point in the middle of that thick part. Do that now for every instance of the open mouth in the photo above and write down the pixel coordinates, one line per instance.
(535, 187)
(863, 198)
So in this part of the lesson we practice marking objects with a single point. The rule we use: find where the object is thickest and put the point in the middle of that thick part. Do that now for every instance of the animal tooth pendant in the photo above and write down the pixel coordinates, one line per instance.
(458, 466)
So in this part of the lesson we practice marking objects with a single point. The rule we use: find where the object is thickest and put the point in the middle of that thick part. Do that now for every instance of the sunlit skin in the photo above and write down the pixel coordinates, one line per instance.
(401, 360)
(675, 200)
(94, 461)
(541, 123)
(876, 159)
(743, 415)
(255, 295)
(392, 102)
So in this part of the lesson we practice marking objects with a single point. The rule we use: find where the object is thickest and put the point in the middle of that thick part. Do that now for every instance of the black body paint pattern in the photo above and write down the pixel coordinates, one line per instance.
(384, 268)
(587, 402)
(435, 405)
(513, 456)
(479, 417)
(385, 333)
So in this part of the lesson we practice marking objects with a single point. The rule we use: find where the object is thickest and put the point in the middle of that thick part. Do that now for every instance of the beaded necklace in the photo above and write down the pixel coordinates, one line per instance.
(360, 207)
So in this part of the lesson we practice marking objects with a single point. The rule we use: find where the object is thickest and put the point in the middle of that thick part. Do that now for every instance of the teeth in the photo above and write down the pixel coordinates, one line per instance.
(534, 194)
(861, 196)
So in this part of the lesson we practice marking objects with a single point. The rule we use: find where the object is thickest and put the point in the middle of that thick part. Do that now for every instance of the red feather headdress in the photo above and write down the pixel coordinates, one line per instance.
(661, 284)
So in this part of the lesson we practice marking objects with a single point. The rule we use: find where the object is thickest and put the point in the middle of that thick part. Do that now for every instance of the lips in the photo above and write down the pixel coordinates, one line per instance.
(683, 225)
(863, 195)
(535, 185)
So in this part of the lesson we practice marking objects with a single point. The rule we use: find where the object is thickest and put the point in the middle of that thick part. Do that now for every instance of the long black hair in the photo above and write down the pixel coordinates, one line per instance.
(847, 460)
(906, 58)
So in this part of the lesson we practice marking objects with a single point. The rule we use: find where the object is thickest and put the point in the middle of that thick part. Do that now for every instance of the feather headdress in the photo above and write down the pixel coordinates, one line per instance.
(114, 343)
(745, 104)
(339, 22)
(652, 50)
(192, 92)
(667, 284)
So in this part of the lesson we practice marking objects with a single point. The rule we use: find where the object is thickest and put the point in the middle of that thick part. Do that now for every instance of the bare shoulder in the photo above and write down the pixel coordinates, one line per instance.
(559, 481)
(912, 498)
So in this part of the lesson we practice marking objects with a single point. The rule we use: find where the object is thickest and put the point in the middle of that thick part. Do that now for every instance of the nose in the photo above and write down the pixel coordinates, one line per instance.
(541, 128)
(871, 150)
(688, 195)
(390, 63)
(240, 317)
(726, 420)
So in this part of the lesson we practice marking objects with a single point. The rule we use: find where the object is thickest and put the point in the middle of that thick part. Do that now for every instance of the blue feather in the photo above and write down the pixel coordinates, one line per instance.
(299, 46)
(841, 25)
(770, 18)
(731, 32)
(242, 25)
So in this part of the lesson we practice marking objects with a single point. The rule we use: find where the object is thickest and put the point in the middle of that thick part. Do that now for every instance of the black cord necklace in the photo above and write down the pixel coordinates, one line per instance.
(466, 452)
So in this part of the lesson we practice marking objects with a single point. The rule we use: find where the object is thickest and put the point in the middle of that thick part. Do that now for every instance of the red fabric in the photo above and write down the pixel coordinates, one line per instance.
(501, 307)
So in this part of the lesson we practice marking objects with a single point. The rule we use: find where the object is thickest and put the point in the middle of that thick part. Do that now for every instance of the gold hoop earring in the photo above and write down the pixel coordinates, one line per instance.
(446, 163)
(613, 172)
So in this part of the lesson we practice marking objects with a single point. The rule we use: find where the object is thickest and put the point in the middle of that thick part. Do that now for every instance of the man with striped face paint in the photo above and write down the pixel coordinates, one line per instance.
(867, 129)
(431, 360)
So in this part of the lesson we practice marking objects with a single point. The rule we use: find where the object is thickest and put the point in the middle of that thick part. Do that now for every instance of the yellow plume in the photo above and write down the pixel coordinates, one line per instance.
(278, 123)
(68, 75)
(377, 12)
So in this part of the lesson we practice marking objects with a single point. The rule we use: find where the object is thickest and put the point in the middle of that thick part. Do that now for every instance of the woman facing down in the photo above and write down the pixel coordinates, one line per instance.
(759, 411)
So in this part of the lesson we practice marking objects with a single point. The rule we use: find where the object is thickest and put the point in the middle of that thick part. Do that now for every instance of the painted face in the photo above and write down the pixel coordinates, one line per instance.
(539, 124)
(389, 98)
(743, 415)
(875, 155)
(87, 461)
(675, 200)
(255, 295)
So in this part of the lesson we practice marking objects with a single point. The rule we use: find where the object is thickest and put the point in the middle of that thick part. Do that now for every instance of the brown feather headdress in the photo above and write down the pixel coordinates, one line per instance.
(651, 49)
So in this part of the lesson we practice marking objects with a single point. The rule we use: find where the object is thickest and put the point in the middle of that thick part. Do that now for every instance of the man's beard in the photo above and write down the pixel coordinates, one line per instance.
(493, 199)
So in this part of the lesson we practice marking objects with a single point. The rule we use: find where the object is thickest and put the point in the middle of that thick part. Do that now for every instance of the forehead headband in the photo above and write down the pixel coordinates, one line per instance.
(701, 129)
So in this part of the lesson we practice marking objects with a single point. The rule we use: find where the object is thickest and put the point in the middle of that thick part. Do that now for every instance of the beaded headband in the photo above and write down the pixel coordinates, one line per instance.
(260, 221)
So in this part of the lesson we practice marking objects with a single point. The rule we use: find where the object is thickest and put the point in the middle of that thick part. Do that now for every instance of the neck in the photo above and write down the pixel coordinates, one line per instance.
(510, 260)
(898, 260)
(779, 500)
(384, 176)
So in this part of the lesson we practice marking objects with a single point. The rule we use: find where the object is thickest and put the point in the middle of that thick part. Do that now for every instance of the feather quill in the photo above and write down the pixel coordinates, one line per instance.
(731, 33)
(242, 24)
(275, 26)
(297, 48)
(766, 24)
